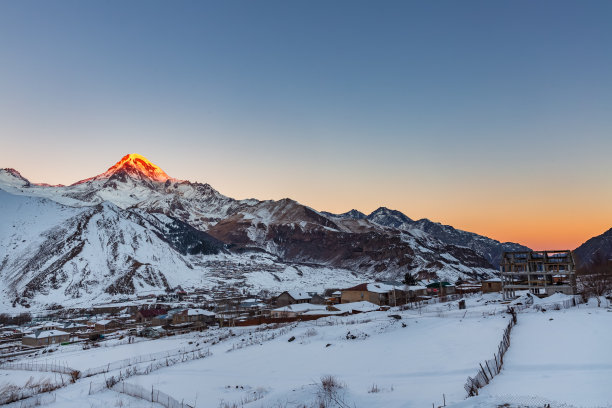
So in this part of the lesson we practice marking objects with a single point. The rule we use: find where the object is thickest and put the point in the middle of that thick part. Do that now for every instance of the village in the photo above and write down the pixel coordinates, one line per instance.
(140, 351)
(542, 273)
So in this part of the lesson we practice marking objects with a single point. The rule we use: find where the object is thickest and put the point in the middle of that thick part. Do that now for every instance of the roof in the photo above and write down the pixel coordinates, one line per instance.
(374, 287)
(300, 308)
(46, 333)
(299, 295)
(362, 306)
(73, 325)
(199, 312)
(152, 312)
(438, 284)
(104, 322)
(493, 280)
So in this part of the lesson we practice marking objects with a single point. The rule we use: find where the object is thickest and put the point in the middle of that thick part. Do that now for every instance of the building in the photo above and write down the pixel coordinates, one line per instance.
(415, 292)
(542, 273)
(106, 325)
(380, 294)
(295, 310)
(74, 327)
(491, 285)
(294, 297)
(194, 315)
(440, 288)
(45, 338)
(146, 315)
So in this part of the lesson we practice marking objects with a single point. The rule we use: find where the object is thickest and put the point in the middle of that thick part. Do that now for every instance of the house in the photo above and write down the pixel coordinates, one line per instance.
(194, 315)
(45, 338)
(356, 307)
(161, 320)
(442, 288)
(415, 292)
(50, 326)
(295, 310)
(377, 293)
(335, 298)
(74, 327)
(146, 315)
(106, 325)
(491, 285)
(293, 297)
(468, 287)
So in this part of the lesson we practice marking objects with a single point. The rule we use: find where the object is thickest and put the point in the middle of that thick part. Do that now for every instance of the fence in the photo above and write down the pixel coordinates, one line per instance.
(13, 395)
(34, 401)
(151, 395)
(145, 358)
(563, 304)
(493, 366)
(112, 381)
(46, 366)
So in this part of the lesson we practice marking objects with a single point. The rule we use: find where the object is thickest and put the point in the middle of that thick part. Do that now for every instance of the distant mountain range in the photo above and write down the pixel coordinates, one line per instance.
(134, 229)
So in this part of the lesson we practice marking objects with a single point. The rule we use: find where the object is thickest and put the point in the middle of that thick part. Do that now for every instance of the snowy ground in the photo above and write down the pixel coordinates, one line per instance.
(565, 359)
(412, 365)
(560, 355)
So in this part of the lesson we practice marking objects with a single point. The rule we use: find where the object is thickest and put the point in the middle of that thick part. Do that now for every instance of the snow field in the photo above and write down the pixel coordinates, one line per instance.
(411, 366)
(561, 356)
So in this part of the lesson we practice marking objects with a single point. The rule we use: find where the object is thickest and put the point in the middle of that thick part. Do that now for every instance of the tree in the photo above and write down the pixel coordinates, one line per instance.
(595, 279)
(409, 279)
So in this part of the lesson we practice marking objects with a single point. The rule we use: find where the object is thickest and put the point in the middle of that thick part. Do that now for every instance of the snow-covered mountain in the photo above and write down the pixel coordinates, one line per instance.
(595, 249)
(492, 250)
(133, 228)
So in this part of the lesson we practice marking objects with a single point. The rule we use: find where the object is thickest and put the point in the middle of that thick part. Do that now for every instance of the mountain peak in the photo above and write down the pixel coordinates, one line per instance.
(135, 166)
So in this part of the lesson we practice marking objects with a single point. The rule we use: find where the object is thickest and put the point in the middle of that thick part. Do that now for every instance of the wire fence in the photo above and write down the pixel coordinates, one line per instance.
(12, 395)
(493, 366)
(558, 305)
(152, 395)
(34, 401)
(112, 381)
(145, 358)
(45, 367)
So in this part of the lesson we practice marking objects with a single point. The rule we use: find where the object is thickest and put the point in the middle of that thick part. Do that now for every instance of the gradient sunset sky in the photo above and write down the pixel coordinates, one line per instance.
(491, 116)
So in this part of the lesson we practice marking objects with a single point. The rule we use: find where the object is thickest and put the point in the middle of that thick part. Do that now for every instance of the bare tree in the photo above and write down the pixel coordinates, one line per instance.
(595, 279)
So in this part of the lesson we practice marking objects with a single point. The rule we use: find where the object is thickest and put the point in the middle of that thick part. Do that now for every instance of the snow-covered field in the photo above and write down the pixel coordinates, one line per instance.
(411, 366)
(380, 361)
(560, 355)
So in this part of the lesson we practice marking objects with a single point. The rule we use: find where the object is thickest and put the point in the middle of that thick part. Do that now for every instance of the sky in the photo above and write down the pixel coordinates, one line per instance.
(493, 117)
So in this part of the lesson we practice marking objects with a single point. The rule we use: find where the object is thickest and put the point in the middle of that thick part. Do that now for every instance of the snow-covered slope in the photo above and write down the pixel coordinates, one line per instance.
(52, 253)
(596, 249)
(492, 250)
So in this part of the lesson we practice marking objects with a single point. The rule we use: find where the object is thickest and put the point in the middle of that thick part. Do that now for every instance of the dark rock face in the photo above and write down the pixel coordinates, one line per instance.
(379, 253)
(600, 245)
(190, 241)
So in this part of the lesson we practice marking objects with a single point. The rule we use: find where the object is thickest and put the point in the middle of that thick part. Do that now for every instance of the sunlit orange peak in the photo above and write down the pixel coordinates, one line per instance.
(137, 165)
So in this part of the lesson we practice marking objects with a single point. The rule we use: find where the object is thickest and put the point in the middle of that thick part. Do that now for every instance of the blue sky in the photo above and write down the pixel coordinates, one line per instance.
(478, 114)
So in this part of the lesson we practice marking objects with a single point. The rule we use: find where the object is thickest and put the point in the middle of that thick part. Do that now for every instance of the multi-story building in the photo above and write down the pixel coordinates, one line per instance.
(543, 273)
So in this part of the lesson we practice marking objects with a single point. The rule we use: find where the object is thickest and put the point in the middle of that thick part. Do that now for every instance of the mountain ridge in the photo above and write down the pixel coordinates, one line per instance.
(138, 211)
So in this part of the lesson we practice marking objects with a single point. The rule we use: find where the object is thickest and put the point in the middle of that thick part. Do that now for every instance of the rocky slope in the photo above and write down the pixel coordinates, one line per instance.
(596, 247)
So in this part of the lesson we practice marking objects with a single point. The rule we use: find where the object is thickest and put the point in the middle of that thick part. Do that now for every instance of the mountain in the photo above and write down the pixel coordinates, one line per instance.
(600, 245)
(134, 229)
(492, 250)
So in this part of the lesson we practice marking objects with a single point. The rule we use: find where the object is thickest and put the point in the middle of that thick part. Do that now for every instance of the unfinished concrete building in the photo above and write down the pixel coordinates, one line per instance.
(543, 273)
